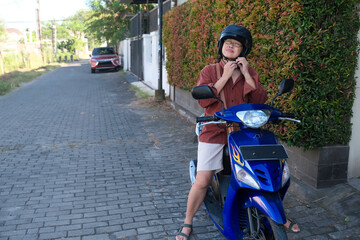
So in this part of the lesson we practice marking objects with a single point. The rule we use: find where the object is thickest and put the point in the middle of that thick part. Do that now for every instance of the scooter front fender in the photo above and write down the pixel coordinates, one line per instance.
(268, 203)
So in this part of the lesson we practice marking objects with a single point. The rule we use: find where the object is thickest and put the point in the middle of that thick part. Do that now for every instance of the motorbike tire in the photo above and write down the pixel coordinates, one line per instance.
(278, 230)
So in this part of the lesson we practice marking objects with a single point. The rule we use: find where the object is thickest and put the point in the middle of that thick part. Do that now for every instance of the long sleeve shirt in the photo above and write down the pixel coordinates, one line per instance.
(238, 92)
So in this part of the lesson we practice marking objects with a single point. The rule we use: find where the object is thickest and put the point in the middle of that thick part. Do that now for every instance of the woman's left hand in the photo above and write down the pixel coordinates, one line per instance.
(244, 68)
(243, 65)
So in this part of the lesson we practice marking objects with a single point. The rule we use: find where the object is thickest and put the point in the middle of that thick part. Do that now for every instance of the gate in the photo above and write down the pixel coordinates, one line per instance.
(136, 45)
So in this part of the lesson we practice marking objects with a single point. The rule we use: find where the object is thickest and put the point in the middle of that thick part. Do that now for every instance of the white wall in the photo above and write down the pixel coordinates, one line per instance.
(354, 157)
(125, 51)
(150, 61)
(179, 2)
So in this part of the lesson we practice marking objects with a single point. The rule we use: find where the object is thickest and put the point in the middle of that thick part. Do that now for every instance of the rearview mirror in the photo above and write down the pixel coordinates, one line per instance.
(202, 92)
(286, 86)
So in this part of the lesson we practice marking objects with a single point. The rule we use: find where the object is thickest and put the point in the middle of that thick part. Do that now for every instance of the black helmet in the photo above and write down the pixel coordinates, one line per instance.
(238, 33)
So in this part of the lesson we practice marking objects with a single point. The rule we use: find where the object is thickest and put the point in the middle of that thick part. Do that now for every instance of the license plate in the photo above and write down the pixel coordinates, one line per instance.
(263, 152)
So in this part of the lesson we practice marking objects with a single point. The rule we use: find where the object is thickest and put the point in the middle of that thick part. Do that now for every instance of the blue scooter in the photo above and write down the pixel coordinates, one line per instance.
(245, 199)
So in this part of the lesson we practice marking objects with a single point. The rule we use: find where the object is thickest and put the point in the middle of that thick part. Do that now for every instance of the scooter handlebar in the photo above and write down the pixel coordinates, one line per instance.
(207, 119)
(288, 115)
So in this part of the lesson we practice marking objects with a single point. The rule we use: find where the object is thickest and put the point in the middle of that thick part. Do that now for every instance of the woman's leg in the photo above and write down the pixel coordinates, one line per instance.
(196, 196)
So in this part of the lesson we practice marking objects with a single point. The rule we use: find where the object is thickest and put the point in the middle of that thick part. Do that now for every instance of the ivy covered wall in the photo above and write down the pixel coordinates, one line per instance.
(312, 41)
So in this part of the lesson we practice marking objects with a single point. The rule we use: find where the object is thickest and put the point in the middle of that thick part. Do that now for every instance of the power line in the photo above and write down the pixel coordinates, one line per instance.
(34, 21)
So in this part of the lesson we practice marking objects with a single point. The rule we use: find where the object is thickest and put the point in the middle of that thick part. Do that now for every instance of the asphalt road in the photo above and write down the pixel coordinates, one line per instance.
(82, 158)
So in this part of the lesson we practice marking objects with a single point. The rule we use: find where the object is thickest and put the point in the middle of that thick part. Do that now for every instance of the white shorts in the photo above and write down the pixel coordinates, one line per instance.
(210, 157)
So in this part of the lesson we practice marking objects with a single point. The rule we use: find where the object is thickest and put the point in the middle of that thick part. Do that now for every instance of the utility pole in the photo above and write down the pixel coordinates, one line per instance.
(54, 44)
(160, 93)
(39, 28)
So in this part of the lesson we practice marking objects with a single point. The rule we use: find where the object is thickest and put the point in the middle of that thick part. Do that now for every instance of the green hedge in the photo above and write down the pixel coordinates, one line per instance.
(312, 41)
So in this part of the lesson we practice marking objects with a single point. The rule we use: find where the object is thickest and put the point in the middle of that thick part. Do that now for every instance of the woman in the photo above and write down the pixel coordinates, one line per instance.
(235, 82)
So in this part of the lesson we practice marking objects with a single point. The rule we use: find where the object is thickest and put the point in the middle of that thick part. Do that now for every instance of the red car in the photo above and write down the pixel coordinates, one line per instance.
(104, 58)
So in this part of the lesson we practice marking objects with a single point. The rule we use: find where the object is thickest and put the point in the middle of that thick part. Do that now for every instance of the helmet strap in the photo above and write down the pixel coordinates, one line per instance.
(228, 59)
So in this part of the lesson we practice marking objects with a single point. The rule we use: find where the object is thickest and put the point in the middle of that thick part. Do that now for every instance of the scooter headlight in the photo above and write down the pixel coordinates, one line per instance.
(285, 174)
(254, 118)
(243, 176)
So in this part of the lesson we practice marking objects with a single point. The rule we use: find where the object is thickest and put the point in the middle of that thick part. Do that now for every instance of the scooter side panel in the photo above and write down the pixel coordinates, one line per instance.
(231, 216)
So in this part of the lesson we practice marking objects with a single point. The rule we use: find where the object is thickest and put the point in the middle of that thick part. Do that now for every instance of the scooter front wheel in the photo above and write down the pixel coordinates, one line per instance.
(278, 230)
(260, 227)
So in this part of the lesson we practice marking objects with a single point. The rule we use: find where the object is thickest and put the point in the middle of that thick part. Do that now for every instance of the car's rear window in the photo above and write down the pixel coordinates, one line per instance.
(103, 51)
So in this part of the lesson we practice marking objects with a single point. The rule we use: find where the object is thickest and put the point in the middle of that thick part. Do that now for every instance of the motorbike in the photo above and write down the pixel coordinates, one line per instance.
(244, 200)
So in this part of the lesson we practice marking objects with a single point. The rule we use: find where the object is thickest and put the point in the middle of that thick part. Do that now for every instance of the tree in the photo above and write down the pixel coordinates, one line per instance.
(2, 31)
(69, 33)
(107, 21)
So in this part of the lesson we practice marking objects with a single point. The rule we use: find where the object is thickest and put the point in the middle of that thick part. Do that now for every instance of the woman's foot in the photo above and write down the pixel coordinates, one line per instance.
(184, 232)
(292, 225)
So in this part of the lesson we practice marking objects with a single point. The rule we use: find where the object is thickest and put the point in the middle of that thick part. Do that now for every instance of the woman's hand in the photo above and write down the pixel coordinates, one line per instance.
(244, 68)
(229, 69)
(243, 65)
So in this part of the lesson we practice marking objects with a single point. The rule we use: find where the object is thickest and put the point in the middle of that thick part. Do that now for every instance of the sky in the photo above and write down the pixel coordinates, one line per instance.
(21, 13)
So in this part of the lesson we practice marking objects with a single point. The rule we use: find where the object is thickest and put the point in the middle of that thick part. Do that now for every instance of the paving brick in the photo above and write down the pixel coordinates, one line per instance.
(57, 223)
(151, 229)
(97, 237)
(81, 232)
(53, 235)
(68, 227)
(134, 225)
(114, 228)
(124, 234)
(47, 230)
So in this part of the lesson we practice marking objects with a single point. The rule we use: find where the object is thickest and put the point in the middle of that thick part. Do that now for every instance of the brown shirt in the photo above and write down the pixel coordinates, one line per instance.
(235, 93)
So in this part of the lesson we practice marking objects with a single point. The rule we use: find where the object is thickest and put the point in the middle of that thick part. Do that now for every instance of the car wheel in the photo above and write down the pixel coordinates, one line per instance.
(92, 70)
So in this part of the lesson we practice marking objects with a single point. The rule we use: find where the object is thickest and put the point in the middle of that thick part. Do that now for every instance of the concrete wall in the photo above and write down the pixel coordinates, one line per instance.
(179, 2)
(187, 102)
(354, 155)
(151, 63)
(125, 52)
(320, 168)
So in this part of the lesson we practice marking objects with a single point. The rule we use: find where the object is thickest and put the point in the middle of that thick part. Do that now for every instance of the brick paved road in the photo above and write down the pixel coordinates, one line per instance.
(82, 159)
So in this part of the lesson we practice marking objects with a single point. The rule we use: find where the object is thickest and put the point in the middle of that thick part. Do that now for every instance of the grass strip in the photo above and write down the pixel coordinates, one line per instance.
(13, 80)
(140, 93)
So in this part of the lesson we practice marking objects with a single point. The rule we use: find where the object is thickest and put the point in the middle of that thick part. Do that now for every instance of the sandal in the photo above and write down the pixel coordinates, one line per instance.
(292, 223)
(183, 234)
